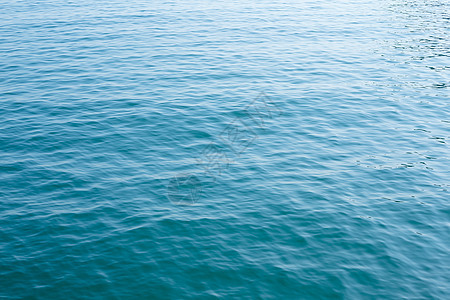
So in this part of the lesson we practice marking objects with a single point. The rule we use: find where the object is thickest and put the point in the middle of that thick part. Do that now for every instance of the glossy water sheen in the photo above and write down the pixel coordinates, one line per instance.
(343, 196)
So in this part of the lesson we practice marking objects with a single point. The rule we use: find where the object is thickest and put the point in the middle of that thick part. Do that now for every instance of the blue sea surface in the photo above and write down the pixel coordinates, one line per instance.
(224, 149)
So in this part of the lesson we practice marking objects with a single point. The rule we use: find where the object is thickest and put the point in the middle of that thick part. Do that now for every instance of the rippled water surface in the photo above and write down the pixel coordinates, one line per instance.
(110, 112)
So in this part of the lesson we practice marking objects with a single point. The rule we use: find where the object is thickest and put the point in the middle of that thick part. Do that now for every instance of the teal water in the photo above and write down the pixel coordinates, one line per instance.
(107, 109)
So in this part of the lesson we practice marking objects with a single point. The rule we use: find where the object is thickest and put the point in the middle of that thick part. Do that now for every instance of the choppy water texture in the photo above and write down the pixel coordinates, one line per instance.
(345, 195)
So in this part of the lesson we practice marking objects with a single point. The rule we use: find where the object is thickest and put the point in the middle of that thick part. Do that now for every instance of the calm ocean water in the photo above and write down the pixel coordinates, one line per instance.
(118, 180)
